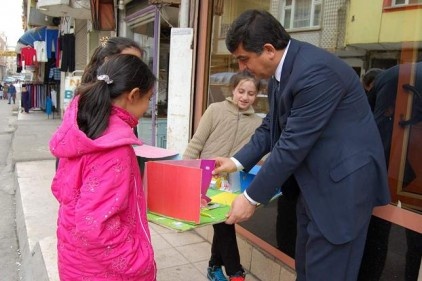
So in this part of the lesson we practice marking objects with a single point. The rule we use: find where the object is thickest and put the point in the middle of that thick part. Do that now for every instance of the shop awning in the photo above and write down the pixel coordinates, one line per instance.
(32, 35)
(18, 47)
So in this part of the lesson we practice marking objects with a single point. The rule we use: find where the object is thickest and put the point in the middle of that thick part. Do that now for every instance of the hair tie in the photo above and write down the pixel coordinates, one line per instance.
(105, 78)
(103, 41)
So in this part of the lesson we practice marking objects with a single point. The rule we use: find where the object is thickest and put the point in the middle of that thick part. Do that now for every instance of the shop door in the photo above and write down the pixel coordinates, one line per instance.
(405, 164)
(148, 33)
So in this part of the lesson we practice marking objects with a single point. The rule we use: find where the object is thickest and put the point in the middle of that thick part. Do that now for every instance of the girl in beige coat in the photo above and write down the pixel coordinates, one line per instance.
(224, 128)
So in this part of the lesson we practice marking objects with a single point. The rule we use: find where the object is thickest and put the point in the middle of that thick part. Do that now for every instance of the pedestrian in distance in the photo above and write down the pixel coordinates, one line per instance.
(26, 103)
(323, 141)
(11, 93)
(102, 227)
(223, 129)
(5, 91)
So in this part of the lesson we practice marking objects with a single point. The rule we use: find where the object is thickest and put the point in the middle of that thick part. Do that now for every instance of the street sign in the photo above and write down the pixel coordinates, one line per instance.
(6, 53)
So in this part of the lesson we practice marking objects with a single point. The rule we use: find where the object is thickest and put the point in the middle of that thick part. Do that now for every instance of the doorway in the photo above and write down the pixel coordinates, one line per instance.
(151, 30)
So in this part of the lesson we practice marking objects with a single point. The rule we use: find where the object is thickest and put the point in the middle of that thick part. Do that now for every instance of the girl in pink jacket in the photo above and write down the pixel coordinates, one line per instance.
(102, 229)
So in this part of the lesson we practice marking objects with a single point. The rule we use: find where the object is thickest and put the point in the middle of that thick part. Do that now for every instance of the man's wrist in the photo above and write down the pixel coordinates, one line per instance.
(250, 200)
(239, 165)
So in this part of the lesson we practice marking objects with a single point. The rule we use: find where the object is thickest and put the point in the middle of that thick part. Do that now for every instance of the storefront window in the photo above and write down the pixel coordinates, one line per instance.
(381, 34)
(301, 13)
(152, 33)
(406, 2)
(399, 114)
(223, 65)
(398, 4)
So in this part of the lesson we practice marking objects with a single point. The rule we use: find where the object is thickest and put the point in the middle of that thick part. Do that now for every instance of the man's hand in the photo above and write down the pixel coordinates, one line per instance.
(223, 164)
(241, 210)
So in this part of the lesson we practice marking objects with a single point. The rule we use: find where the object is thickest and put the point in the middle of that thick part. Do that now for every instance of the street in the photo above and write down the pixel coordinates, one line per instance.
(9, 258)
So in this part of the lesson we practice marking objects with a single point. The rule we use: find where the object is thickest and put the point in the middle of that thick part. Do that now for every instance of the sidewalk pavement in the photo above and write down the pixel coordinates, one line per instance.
(179, 256)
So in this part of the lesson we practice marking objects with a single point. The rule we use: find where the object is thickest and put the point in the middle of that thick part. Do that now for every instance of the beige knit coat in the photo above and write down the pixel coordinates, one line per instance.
(222, 131)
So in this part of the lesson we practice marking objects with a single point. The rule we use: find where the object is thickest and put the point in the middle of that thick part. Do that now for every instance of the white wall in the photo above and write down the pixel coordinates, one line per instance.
(179, 90)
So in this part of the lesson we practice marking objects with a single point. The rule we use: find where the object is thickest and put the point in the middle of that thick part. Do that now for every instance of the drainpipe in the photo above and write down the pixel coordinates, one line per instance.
(184, 13)
(180, 78)
(118, 20)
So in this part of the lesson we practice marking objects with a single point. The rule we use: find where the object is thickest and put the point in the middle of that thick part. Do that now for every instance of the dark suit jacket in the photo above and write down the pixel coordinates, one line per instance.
(321, 131)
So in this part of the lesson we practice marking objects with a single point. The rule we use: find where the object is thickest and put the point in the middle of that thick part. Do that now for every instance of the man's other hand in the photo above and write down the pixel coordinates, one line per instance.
(241, 210)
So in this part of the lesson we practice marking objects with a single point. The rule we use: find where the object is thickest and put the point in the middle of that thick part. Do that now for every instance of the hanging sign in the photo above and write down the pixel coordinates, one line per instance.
(6, 53)
(70, 85)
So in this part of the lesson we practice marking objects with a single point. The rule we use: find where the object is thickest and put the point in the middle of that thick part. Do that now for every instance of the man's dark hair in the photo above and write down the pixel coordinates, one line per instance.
(255, 28)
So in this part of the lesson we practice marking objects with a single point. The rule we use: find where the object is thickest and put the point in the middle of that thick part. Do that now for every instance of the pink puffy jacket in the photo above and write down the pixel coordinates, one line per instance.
(102, 228)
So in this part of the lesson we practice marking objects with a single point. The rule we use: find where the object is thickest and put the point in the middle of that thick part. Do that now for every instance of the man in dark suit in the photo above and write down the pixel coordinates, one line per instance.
(323, 141)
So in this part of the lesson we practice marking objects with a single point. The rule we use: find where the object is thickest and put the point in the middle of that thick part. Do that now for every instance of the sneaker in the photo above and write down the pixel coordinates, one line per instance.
(240, 276)
(237, 278)
(215, 273)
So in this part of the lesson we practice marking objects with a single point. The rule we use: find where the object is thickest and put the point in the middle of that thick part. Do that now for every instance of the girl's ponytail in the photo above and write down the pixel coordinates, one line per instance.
(118, 75)
(94, 108)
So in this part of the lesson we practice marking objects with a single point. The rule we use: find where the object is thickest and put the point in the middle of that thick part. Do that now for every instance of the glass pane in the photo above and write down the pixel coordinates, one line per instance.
(412, 164)
(392, 252)
(302, 15)
(222, 64)
(287, 18)
(398, 114)
(144, 36)
(412, 175)
(152, 127)
(317, 15)
(399, 2)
